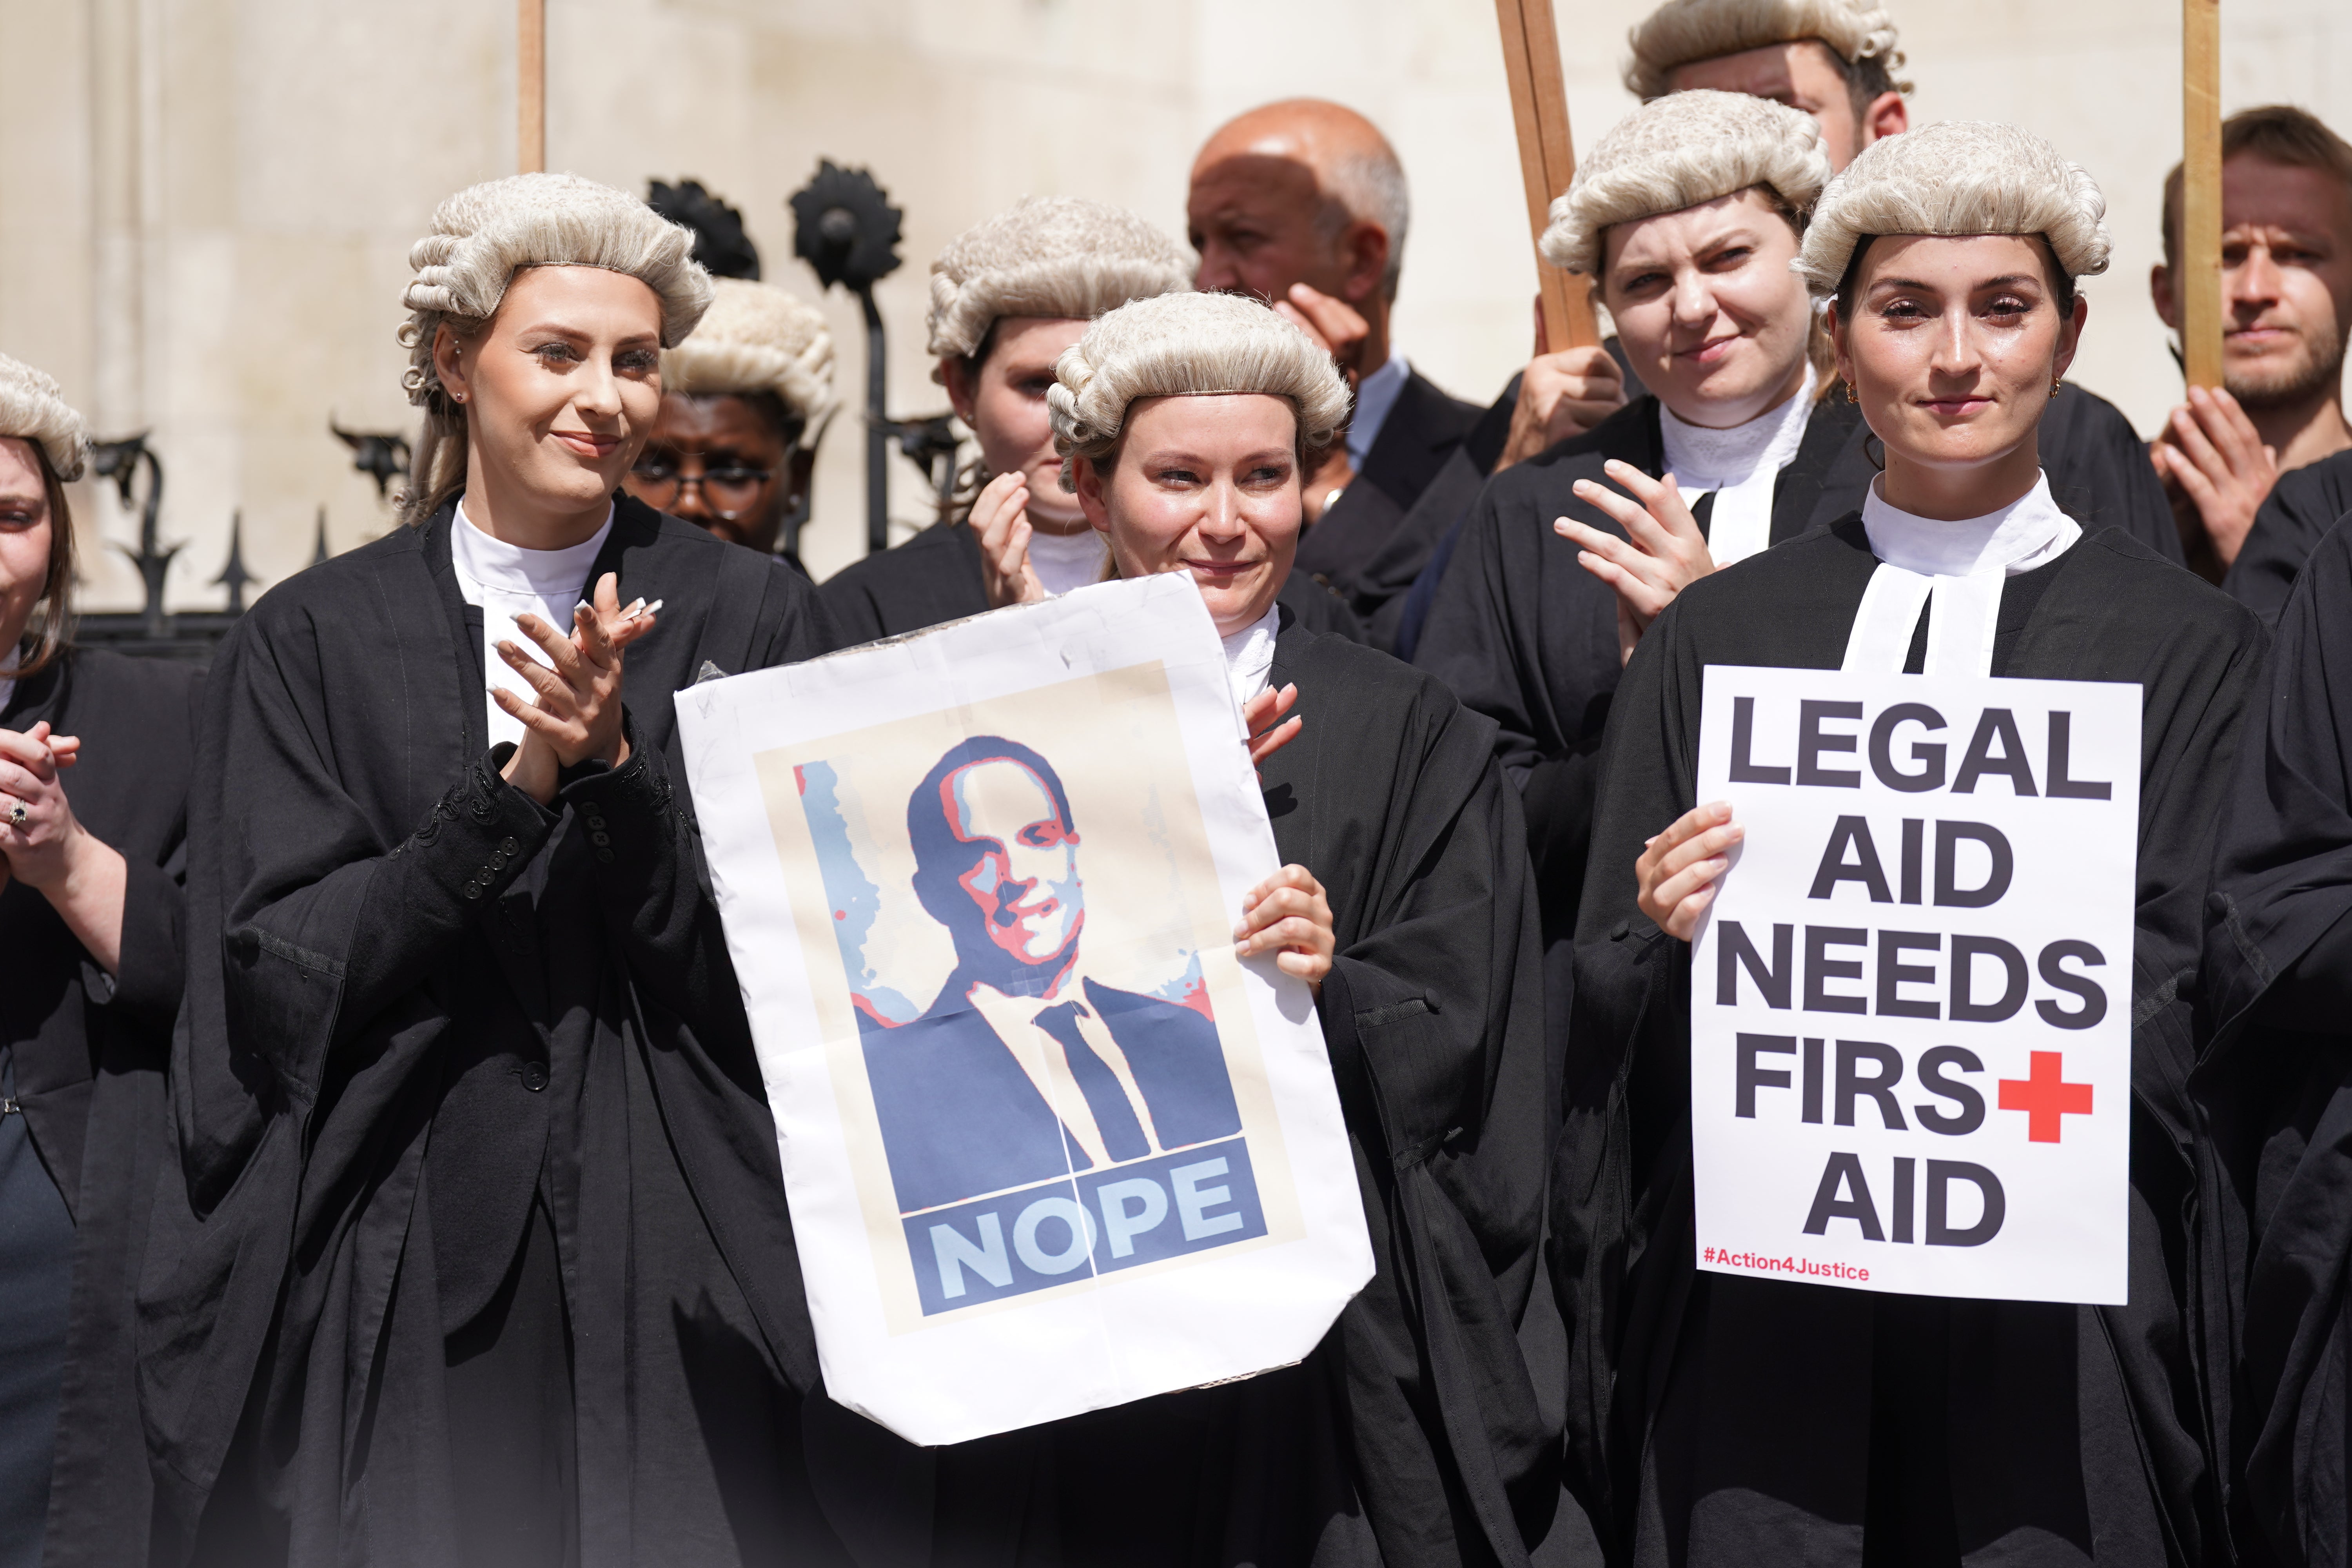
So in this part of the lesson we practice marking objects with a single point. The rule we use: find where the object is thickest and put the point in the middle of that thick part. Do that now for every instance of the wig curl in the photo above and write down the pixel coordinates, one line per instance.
(1682, 150)
(479, 239)
(1189, 346)
(33, 409)
(1063, 257)
(756, 339)
(1681, 32)
(1954, 179)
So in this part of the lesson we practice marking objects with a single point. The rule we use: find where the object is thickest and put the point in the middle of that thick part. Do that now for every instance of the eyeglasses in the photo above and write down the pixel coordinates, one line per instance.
(728, 492)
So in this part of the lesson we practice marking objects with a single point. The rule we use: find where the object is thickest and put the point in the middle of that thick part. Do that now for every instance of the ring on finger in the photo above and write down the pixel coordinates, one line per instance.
(17, 815)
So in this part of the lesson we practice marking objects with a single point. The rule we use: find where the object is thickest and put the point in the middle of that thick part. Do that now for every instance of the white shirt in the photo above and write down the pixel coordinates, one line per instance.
(1961, 565)
(1375, 395)
(1066, 560)
(1249, 656)
(1741, 464)
(506, 580)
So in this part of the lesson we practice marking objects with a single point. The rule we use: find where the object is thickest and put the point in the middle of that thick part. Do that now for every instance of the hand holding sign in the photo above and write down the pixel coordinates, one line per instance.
(1678, 868)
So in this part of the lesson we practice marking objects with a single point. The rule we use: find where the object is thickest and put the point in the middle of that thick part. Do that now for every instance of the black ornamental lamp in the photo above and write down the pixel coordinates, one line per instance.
(120, 461)
(380, 454)
(844, 227)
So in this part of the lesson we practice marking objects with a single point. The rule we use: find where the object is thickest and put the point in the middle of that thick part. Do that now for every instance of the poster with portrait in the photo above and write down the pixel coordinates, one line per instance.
(1048, 1145)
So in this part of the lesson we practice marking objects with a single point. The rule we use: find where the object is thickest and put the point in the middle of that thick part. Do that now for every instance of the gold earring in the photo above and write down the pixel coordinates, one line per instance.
(2054, 384)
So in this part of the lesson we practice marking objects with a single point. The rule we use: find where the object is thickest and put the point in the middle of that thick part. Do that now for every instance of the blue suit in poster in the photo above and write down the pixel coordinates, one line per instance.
(962, 1091)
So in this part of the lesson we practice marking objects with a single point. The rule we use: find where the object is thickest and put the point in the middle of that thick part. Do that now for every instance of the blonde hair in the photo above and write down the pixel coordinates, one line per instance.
(479, 239)
(1684, 149)
(1063, 257)
(1189, 346)
(33, 410)
(757, 339)
(1958, 178)
(1681, 32)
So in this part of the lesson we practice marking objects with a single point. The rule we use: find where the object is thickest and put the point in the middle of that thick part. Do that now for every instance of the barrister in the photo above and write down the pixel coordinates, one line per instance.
(1748, 1420)
(475, 1250)
(1410, 1436)
(1008, 295)
(1686, 214)
(95, 752)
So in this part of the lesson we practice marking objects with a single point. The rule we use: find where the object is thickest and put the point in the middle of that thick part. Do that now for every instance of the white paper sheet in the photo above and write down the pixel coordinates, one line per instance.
(1911, 1001)
(1048, 1147)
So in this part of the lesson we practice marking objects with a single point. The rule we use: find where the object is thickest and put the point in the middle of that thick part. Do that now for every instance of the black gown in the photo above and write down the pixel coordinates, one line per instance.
(82, 1057)
(935, 577)
(1715, 1419)
(475, 1248)
(1524, 635)
(2302, 505)
(1411, 1437)
(2278, 1075)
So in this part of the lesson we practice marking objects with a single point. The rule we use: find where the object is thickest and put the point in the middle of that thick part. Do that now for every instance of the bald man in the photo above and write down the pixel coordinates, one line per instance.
(1303, 203)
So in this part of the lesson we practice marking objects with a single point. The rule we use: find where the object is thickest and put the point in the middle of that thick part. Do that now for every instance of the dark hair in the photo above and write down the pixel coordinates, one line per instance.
(976, 360)
(49, 635)
(1865, 79)
(772, 410)
(2062, 285)
(2277, 134)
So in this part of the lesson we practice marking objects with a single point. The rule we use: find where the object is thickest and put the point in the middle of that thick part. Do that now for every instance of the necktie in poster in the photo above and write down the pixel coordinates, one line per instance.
(1911, 998)
(1048, 1146)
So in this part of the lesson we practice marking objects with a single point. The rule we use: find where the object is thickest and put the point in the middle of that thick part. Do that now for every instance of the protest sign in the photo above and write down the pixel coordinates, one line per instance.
(1911, 999)
(1048, 1146)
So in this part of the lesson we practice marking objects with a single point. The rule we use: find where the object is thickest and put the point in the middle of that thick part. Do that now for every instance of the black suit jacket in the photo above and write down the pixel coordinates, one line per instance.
(1424, 427)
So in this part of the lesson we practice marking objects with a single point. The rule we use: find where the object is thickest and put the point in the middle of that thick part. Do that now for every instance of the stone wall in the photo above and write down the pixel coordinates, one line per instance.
(205, 205)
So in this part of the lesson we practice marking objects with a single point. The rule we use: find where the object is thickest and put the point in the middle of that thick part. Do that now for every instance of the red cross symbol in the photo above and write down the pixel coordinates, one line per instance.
(2044, 1096)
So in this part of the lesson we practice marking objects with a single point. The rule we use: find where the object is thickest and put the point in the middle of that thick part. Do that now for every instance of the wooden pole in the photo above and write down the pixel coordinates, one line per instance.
(2200, 272)
(1546, 156)
(531, 86)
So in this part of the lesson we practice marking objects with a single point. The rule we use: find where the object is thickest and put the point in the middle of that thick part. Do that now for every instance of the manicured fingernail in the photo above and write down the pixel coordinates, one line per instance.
(654, 607)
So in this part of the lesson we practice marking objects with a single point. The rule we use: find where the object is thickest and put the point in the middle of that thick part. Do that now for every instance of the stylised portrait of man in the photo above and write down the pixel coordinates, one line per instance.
(1025, 1068)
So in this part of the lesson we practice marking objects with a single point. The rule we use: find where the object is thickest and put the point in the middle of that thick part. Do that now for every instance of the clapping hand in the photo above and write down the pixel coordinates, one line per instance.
(578, 714)
(1662, 551)
(37, 826)
(999, 516)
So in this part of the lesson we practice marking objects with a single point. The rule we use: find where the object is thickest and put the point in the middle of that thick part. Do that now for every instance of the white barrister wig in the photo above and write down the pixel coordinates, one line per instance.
(1062, 257)
(1189, 346)
(1678, 151)
(1681, 32)
(1960, 177)
(484, 234)
(33, 409)
(756, 338)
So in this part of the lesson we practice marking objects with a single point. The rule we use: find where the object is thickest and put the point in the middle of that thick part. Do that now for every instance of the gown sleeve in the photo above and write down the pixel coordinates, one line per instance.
(2302, 506)
(1629, 1011)
(1433, 1016)
(322, 925)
